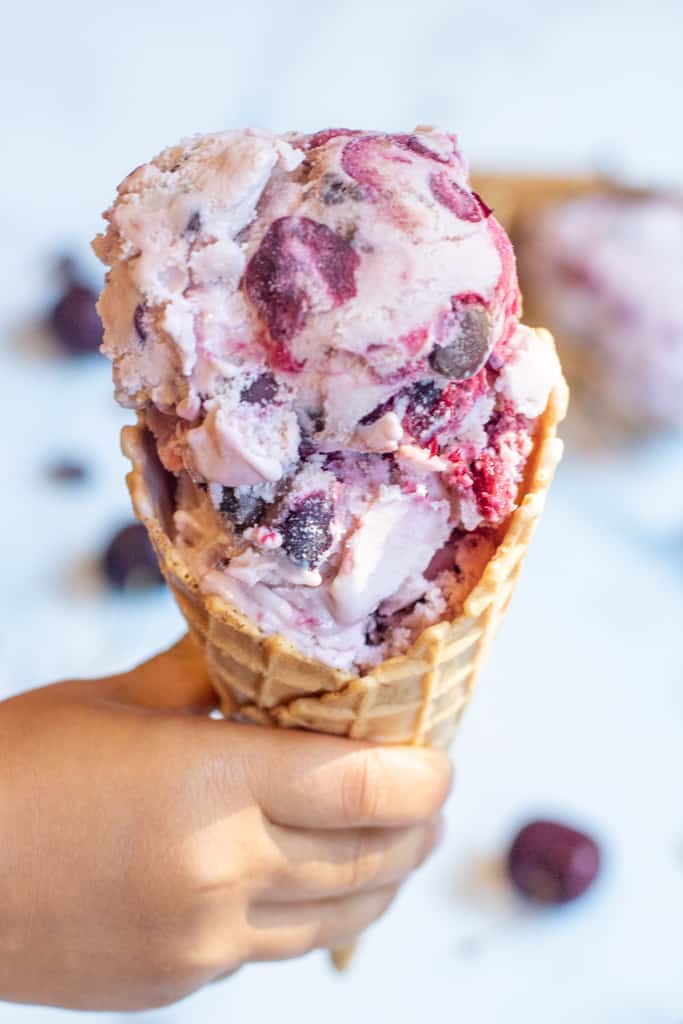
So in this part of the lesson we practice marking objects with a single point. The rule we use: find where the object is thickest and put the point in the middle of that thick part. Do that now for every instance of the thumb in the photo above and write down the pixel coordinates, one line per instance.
(175, 680)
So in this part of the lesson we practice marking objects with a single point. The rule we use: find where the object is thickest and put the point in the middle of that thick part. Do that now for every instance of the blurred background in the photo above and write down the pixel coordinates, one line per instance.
(579, 713)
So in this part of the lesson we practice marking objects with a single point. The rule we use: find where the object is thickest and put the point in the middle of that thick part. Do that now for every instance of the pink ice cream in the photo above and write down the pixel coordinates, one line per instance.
(605, 273)
(321, 333)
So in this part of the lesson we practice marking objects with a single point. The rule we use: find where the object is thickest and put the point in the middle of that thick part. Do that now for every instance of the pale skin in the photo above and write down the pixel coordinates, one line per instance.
(148, 849)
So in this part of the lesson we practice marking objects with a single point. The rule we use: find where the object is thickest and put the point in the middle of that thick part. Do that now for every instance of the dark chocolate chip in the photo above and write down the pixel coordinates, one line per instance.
(242, 507)
(305, 530)
(468, 345)
(377, 413)
(336, 189)
(376, 631)
(261, 391)
(194, 224)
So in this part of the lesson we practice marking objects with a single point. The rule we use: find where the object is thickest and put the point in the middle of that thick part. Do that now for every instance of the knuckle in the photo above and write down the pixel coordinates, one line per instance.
(206, 870)
(210, 950)
(362, 787)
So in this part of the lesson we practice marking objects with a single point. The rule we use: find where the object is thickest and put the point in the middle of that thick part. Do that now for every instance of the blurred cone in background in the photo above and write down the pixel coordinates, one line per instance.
(598, 264)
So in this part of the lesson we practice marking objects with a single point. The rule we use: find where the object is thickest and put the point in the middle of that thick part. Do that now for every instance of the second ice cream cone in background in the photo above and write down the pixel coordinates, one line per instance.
(599, 265)
(514, 197)
(345, 436)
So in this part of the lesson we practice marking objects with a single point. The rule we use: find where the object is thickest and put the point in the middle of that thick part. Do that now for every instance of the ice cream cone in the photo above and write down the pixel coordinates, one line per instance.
(417, 698)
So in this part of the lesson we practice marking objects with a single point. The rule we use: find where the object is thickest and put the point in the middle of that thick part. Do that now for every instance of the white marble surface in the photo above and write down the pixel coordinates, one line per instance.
(580, 710)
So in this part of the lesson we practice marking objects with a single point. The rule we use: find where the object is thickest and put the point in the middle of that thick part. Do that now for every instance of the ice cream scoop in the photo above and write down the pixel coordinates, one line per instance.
(321, 334)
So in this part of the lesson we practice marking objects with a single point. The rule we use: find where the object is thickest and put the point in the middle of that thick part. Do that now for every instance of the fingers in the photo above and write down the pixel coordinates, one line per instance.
(311, 781)
(280, 931)
(316, 865)
(175, 680)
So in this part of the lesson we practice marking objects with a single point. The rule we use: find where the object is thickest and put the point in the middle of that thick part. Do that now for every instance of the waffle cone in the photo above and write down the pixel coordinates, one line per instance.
(416, 698)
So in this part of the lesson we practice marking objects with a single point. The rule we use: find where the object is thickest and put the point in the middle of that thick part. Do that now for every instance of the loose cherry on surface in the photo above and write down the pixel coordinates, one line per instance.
(73, 318)
(129, 561)
(551, 863)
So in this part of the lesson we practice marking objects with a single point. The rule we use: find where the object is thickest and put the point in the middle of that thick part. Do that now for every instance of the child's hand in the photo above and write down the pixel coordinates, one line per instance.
(148, 849)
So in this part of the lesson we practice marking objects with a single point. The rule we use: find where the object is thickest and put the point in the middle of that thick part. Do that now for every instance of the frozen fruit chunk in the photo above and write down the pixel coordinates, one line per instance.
(242, 507)
(129, 561)
(485, 208)
(75, 322)
(295, 254)
(467, 343)
(369, 158)
(551, 863)
(493, 487)
(261, 391)
(416, 144)
(459, 397)
(305, 530)
(321, 138)
(362, 159)
(456, 198)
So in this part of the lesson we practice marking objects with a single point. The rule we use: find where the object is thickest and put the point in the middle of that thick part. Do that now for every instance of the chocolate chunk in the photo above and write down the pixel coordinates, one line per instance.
(460, 201)
(305, 530)
(468, 345)
(376, 630)
(242, 507)
(336, 189)
(261, 391)
(377, 413)
(311, 423)
(194, 224)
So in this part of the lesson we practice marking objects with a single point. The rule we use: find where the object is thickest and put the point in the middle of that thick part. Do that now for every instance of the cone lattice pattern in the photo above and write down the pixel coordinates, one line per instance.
(415, 698)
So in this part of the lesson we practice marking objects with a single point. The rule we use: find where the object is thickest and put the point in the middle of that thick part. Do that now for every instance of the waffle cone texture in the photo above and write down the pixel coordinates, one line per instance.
(415, 698)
